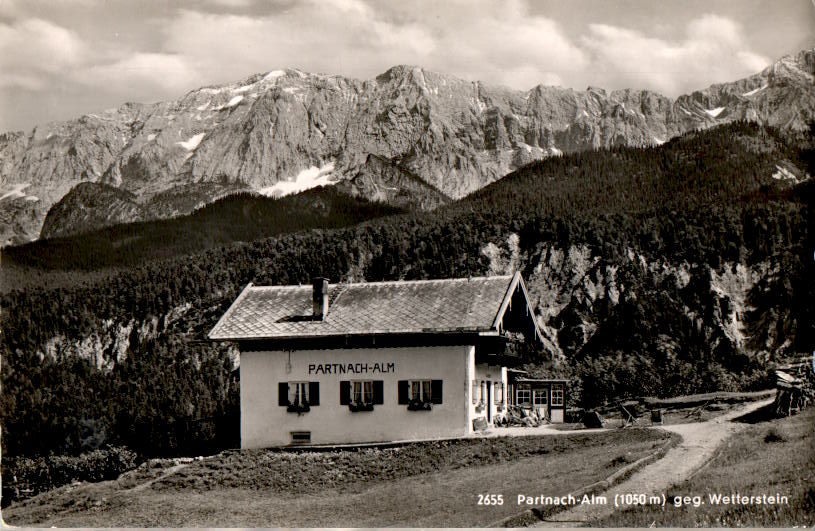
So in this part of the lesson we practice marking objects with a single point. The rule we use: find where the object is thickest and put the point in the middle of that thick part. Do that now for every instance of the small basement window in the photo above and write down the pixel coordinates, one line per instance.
(300, 437)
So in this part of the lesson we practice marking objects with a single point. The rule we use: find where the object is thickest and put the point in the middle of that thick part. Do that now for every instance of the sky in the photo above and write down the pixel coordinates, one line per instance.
(60, 59)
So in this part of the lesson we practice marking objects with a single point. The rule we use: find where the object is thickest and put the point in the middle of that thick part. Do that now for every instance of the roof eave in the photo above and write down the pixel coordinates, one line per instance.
(481, 331)
(228, 313)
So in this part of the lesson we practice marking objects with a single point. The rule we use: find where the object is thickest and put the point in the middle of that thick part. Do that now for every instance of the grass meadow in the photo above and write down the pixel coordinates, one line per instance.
(435, 484)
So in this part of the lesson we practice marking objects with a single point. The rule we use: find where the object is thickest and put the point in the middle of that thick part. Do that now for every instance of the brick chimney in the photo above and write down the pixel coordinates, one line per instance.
(319, 298)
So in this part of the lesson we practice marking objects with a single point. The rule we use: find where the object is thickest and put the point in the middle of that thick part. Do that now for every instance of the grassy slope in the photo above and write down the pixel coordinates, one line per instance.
(436, 484)
(754, 462)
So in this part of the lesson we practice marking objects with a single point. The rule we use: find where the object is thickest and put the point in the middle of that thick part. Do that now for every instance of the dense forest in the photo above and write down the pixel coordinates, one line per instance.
(118, 355)
(237, 217)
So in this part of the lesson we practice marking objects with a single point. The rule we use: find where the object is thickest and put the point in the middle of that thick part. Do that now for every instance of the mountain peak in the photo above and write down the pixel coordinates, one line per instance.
(274, 127)
(800, 66)
(399, 72)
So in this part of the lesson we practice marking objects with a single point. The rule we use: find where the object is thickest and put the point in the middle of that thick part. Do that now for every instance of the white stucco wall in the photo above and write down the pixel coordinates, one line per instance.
(264, 423)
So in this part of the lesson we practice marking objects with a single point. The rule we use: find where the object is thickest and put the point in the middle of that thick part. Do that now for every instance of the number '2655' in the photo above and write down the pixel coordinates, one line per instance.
(490, 499)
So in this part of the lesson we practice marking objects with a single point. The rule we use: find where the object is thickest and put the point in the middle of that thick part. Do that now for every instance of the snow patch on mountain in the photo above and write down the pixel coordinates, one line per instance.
(192, 142)
(213, 90)
(755, 91)
(234, 101)
(274, 74)
(16, 191)
(305, 180)
(527, 147)
(713, 113)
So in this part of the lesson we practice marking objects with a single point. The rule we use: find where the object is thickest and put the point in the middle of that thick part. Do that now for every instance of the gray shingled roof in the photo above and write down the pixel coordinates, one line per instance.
(468, 304)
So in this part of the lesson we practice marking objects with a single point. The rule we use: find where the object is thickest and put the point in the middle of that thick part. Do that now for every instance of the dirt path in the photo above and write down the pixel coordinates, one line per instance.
(169, 472)
(699, 441)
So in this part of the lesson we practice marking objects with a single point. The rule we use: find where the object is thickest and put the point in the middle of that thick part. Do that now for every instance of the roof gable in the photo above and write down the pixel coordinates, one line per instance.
(372, 308)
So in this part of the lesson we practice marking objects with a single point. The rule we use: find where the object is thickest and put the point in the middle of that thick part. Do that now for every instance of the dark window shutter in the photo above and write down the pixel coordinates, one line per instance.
(435, 391)
(283, 394)
(314, 393)
(379, 392)
(402, 388)
(345, 393)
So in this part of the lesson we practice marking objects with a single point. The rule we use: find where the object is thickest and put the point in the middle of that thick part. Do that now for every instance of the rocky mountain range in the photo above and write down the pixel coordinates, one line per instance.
(408, 136)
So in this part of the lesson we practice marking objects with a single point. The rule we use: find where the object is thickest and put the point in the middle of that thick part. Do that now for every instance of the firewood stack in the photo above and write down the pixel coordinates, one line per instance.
(795, 386)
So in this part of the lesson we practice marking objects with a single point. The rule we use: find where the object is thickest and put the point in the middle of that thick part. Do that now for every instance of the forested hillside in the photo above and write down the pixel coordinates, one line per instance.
(237, 217)
(679, 268)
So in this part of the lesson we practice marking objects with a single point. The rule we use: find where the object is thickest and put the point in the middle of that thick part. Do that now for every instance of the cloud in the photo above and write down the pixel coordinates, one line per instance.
(147, 51)
(479, 39)
(33, 51)
(713, 49)
(146, 74)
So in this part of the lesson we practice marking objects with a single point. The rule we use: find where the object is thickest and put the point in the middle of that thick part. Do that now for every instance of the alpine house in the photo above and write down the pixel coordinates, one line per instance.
(378, 361)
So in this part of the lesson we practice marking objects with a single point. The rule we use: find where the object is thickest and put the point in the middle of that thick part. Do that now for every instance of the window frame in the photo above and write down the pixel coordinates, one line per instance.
(362, 392)
(425, 388)
(298, 396)
(430, 392)
(299, 386)
(558, 395)
(526, 389)
(545, 393)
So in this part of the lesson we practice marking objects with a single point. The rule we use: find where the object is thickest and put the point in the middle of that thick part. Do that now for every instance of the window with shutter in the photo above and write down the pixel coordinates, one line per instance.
(360, 395)
(420, 394)
(298, 397)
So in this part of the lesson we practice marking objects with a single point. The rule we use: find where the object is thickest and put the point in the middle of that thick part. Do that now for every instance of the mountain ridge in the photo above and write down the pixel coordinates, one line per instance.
(456, 135)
